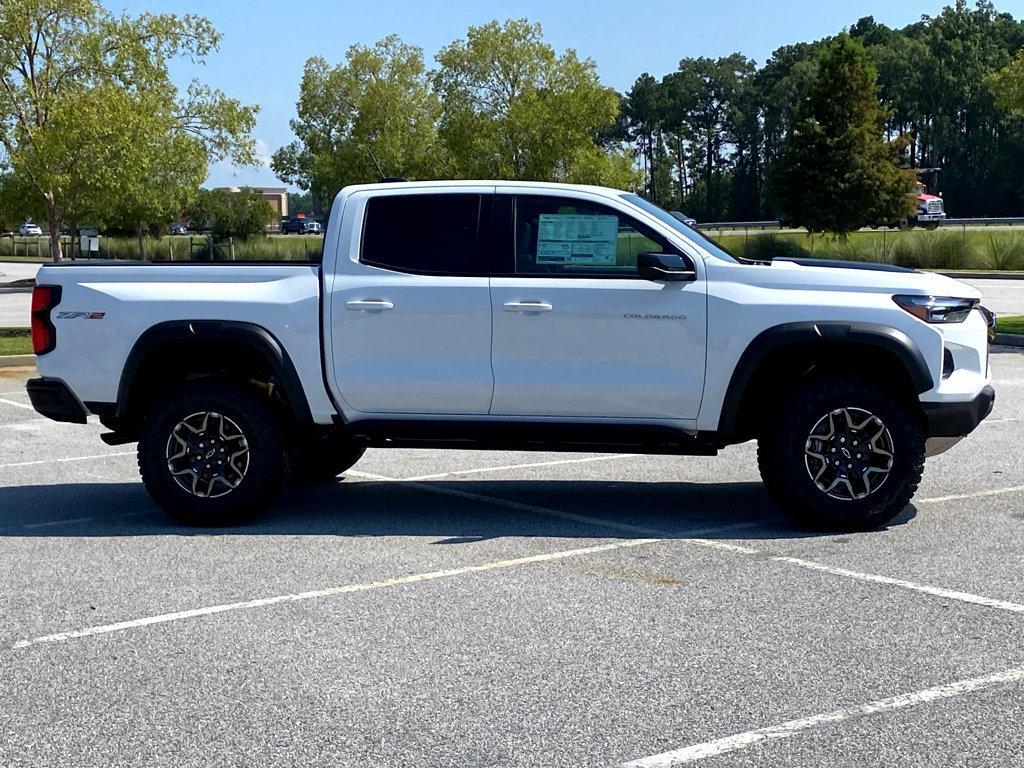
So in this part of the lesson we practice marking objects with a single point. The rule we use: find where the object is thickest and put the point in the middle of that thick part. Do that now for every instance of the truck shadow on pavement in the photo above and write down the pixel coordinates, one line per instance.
(452, 511)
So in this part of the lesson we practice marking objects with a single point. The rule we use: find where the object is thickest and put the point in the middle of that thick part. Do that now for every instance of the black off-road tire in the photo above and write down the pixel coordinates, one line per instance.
(264, 469)
(323, 458)
(784, 467)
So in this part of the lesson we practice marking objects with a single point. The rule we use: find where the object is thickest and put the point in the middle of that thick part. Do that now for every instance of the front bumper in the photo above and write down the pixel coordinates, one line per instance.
(949, 420)
(54, 399)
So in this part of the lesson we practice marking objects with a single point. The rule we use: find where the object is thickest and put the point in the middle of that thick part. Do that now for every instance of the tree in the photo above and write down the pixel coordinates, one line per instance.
(837, 172)
(513, 109)
(307, 203)
(1008, 85)
(370, 116)
(232, 213)
(90, 122)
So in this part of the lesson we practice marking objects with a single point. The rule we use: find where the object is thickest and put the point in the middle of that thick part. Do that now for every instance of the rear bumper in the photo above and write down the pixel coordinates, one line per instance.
(54, 399)
(947, 420)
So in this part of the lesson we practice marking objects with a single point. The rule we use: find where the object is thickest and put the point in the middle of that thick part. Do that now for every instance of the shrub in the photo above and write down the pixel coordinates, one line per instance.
(1005, 252)
(933, 250)
(945, 251)
(768, 247)
(865, 249)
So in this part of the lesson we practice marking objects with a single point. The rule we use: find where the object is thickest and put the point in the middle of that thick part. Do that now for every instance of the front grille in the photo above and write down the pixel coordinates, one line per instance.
(934, 206)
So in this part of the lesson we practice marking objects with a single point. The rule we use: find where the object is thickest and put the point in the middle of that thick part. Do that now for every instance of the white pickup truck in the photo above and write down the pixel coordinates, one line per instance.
(525, 316)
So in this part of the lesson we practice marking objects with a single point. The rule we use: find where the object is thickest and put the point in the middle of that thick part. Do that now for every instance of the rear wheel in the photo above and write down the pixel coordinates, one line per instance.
(211, 454)
(842, 453)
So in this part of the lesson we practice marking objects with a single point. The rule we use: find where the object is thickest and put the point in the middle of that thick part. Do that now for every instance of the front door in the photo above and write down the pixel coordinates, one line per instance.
(577, 332)
(411, 318)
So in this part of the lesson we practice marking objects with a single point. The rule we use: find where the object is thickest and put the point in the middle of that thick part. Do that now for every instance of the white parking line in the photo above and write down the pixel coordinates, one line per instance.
(66, 459)
(970, 495)
(553, 463)
(954, 595)
(939, 592)
(9, 402)
(325, 593)
(788, 729)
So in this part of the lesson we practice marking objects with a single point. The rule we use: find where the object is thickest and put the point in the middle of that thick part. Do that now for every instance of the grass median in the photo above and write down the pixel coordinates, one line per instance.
(951, 248)
(15, 341)
(1011, 324)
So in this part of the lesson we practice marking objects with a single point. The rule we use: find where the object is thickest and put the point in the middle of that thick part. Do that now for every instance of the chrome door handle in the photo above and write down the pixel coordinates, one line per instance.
(527, 306)
(370, 305)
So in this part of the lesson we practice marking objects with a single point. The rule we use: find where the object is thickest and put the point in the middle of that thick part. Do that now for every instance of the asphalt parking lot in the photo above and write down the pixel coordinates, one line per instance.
(459, 608)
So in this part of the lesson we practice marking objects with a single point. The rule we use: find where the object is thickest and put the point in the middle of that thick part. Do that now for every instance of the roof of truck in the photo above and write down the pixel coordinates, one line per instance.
(480, 183)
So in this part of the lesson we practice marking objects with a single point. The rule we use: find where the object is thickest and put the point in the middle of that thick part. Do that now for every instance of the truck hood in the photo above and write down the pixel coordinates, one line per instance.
(834, 275)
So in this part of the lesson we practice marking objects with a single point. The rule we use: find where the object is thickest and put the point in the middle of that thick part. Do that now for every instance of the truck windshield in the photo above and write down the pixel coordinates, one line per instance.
(688, 232)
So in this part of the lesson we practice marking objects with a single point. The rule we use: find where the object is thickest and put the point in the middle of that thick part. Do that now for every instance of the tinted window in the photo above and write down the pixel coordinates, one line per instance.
(426, 234)
(566, 236)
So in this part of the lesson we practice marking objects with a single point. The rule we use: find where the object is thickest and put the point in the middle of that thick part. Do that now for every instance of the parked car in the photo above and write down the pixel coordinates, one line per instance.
(300, 226)
(177, 228)
(30, 228)
(515, 315)
(689, 221)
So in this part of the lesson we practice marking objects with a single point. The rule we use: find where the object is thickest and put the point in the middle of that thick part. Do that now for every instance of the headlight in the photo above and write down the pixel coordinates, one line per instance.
(936, 309)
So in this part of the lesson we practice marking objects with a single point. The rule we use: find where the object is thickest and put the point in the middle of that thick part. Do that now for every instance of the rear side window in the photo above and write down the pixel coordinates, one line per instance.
(423, 234)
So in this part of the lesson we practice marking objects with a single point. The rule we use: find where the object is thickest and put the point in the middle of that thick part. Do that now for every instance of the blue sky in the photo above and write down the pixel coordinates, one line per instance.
(266, 43)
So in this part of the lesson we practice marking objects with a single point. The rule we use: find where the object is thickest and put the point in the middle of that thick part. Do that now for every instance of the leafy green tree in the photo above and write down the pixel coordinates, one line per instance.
(1008, 85)
(232, 214)
(89, 118)
(837, 172)
(513, 109)
(372, 115)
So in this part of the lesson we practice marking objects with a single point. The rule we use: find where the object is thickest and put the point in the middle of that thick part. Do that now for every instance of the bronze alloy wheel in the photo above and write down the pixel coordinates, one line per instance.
(849, 453)
(207, 454)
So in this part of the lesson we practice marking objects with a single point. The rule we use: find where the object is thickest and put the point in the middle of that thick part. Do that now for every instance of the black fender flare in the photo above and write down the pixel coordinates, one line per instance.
(890, 339)
(250, 335)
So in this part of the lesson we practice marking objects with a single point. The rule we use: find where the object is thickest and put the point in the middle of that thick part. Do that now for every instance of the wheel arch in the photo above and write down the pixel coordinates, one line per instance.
(230, 343)
(774, 356)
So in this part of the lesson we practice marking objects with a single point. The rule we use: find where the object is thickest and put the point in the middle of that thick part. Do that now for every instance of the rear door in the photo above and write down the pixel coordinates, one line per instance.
(410, 310)
(577, 332)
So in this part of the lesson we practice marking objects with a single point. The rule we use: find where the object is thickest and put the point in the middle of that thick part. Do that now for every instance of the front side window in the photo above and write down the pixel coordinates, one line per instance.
(423, 234)
(685, 230)
(566, 236)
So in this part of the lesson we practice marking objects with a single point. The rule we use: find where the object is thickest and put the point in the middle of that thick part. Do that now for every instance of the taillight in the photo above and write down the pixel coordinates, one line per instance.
(44, 335)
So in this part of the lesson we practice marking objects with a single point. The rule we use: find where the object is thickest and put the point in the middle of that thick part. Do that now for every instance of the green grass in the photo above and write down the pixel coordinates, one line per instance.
(260, 248)
(944, 249)
(1011, 324)
(15, 341)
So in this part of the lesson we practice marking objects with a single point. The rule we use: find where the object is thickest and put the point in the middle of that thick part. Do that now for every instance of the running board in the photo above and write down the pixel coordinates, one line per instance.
(530, 436)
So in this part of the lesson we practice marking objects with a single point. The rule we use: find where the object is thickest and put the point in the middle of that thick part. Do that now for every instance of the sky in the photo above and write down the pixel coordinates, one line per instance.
(267, 43)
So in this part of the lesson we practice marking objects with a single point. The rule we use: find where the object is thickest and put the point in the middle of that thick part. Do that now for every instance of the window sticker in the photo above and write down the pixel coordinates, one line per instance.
(577, 239)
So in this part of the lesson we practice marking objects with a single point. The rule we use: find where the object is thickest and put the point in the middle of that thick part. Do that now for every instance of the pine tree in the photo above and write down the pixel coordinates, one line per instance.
(836, 172)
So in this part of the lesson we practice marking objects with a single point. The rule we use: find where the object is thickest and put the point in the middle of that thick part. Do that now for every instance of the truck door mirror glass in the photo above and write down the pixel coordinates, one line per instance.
(665, 267)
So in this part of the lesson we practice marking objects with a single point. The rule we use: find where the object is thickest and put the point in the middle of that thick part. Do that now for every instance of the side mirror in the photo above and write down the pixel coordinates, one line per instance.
(665, 267)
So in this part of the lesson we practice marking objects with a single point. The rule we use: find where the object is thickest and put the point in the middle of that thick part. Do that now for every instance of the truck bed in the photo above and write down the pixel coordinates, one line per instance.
(106, 306)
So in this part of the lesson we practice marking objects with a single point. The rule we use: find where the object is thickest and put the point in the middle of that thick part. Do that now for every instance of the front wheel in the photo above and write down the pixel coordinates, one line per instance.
(842, 454)
(211, 454)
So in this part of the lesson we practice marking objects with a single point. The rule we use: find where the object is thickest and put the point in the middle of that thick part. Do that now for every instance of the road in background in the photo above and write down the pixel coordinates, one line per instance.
(1003, 297)
(503, 608)
(12, 271)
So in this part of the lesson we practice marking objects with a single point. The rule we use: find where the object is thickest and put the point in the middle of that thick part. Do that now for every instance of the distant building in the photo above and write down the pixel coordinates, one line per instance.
(276, 196)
